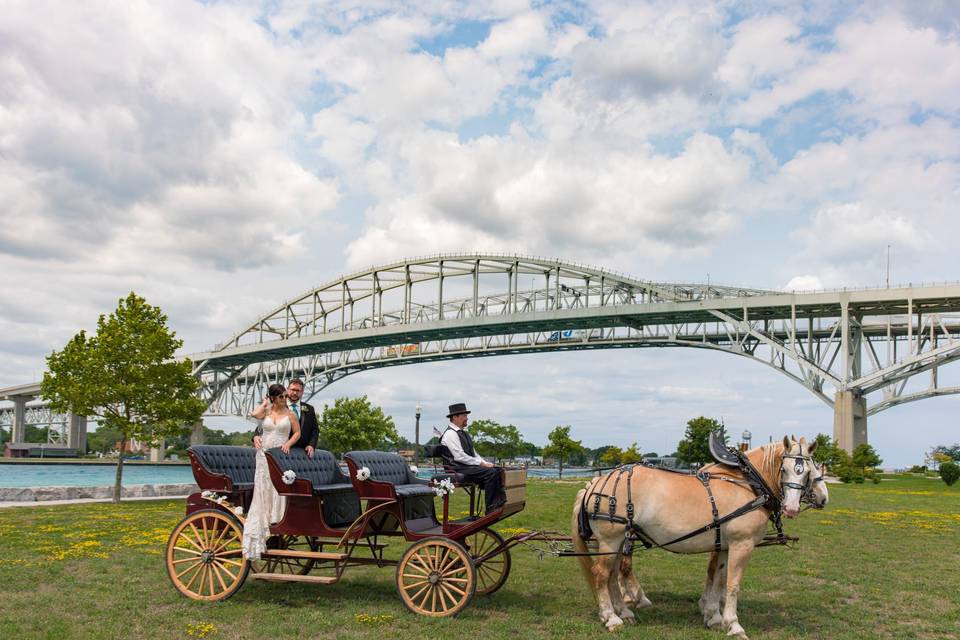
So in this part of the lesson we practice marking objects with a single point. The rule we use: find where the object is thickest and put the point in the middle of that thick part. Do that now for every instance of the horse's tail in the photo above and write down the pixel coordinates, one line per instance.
(580, 532)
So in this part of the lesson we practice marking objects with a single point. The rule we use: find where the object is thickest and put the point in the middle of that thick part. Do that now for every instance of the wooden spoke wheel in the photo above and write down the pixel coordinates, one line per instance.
(289, 566)
(205, 556)
(491, 573)
(436, 577)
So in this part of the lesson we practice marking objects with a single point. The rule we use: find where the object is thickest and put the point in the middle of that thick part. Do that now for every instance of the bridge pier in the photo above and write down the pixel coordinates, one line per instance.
(157, 452)
(77, 432)
(196, 436)
(18, 430)
(849, 420)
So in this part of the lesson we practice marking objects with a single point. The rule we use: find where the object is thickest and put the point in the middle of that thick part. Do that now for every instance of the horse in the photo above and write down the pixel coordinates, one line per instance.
(712, 602)
(662, 508)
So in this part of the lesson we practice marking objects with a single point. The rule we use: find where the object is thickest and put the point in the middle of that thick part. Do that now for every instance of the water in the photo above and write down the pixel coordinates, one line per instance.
(90, 475)
(101, 475)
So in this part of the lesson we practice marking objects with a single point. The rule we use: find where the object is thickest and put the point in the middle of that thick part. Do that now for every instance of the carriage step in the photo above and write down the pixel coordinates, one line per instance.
(287, 577)
(310, 555)
(361, 544)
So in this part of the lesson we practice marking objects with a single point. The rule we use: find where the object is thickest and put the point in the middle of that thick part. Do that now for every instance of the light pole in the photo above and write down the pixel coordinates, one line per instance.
(747, 436)
(416, 437)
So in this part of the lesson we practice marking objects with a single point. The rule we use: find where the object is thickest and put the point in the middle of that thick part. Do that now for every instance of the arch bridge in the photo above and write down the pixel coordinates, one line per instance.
(843, 346)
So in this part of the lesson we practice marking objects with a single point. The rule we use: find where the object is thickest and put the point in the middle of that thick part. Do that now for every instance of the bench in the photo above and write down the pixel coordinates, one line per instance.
(319, 476)
(218, 467)
(392, 479)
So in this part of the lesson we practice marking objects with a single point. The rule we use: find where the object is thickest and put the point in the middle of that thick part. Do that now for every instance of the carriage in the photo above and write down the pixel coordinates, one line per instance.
(334, 520)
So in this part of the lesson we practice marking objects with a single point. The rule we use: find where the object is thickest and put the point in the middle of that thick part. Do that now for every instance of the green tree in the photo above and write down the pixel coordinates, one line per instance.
(562, 446)
(495, 440)
(611, 455)
(865, 457)
(354, 424)
(126, 377)
(950, 472)
(530, 449)
(952, 452)
(695, 446)
(631, 455)
(105, 439)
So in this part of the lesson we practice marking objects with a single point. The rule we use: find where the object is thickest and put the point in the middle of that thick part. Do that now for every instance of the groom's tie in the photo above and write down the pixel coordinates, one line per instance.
(296, 410)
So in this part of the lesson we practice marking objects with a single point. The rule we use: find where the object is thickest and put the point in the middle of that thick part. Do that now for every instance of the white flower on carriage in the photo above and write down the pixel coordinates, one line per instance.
(414, 468)
(208, 495)
(238, 511)
(443, 487)
(289, 476)
(363, 474)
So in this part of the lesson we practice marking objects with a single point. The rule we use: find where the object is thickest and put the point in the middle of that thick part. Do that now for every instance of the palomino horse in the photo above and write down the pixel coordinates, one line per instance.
(667, 506)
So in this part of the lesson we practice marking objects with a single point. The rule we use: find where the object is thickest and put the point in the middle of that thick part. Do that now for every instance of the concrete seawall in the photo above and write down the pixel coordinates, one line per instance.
(43, 494)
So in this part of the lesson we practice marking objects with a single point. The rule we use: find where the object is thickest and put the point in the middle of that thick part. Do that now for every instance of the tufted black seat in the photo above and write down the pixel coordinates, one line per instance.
(237, 463)
(322, 470)
(389, 467)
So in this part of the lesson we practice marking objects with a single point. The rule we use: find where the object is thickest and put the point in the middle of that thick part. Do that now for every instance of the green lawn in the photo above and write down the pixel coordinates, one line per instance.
(880, 561)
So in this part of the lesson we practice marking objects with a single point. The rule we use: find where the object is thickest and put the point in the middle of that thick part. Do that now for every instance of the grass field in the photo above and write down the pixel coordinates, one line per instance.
(882, 561)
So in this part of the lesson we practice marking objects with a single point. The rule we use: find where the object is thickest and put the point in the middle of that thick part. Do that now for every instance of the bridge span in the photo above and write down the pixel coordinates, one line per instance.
(844, 346)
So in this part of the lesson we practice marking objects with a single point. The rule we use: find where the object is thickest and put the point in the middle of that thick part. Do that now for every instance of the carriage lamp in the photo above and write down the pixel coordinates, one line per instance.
(416, 437)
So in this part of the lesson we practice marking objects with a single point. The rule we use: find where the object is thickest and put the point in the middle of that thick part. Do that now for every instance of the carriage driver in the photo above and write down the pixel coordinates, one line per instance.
(464, 460)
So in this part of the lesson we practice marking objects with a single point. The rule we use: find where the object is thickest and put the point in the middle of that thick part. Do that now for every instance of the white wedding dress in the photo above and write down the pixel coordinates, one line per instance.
(267, 505)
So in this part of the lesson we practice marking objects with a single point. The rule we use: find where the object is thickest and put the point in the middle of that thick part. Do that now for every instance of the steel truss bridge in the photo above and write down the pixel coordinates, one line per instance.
(843, 346)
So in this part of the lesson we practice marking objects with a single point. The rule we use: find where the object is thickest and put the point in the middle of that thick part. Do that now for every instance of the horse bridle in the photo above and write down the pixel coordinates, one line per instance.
(808, 496)
(798, 468)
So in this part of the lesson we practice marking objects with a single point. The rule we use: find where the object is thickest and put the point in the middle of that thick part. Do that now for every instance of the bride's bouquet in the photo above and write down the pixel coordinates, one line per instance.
(443, 487)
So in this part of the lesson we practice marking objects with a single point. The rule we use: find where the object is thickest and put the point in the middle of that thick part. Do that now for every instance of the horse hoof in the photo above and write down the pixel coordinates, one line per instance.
(736, 631)
(643, 603)
(614, 623)
(628, 617)
(715, 621)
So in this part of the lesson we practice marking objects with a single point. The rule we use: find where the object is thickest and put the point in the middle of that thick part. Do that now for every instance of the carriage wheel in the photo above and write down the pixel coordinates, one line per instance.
(289, 566)
(491, 573)
(205, 556)
(436, 577)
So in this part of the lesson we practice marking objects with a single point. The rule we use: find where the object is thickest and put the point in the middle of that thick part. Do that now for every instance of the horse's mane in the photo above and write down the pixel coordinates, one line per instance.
(769, 466)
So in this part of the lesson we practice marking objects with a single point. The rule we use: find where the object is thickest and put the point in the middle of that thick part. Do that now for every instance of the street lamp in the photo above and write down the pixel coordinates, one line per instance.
(747, 436)
(416, 437)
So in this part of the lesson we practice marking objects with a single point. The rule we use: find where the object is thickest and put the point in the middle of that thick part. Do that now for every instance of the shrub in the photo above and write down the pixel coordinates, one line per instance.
(950, 472)
(918, 469)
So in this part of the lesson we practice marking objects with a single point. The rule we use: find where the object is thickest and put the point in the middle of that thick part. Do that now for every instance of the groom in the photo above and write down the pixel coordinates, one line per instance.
(305, 414)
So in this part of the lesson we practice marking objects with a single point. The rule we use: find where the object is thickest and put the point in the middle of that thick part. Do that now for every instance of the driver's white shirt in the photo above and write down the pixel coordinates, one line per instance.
(451, 441)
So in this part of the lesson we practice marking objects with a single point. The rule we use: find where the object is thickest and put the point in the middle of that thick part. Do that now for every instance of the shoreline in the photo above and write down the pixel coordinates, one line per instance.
(55, 494)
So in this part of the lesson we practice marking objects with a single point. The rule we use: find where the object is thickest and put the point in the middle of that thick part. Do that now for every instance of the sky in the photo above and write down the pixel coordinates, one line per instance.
(219, 158)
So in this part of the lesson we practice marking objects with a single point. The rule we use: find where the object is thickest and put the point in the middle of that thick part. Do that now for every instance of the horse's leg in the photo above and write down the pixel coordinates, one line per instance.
(711, 601)
(738, 557)
(605, 574)
(616, 592)
(633, 594)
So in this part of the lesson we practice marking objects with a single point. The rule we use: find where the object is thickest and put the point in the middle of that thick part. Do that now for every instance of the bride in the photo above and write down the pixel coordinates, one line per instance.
(280, 429)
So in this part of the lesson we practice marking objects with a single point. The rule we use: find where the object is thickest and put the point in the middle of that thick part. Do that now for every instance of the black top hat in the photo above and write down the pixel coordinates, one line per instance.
(457, 409)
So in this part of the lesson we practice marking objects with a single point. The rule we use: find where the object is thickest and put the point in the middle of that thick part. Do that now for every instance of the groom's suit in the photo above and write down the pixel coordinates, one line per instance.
(308, 426)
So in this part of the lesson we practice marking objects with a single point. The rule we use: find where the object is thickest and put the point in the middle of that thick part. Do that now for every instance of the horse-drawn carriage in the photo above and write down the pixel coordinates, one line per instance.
(335, 520)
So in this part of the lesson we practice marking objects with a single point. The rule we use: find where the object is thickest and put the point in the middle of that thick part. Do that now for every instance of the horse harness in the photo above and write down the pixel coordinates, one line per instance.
(765, 497)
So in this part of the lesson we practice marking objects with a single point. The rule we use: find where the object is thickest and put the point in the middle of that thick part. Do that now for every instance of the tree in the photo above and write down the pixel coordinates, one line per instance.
(499, 441)
(530, 449)
(354, 424)
(126, 377)
(695, 446)
(562, 446)
(864, 456)
(950, 472)
(828, 453)
(951, 452)
(611, 455)
(631, 455)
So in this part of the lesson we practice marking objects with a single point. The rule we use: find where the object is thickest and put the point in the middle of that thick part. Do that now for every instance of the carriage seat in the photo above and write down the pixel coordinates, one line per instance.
(237, 464)
(388, 468)
(322, 470)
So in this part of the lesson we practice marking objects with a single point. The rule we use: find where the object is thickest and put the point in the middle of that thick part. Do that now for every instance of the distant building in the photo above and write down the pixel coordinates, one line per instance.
(38, 450)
